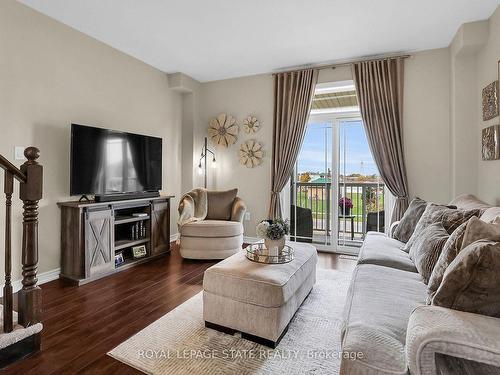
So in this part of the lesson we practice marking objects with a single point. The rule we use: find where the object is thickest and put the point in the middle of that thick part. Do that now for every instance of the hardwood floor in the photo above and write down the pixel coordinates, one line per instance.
(81, 324)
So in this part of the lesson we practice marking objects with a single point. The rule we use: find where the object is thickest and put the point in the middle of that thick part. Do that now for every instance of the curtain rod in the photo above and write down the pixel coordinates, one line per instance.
(346, 63)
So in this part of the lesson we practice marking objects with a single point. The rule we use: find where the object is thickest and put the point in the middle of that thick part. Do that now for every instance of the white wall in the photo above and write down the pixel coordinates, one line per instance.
(240, 97)
(426, 122)
(51, 76)
(487, 72)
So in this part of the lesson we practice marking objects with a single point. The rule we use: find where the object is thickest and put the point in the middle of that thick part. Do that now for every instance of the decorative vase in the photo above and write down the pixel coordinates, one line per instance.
(274, 246)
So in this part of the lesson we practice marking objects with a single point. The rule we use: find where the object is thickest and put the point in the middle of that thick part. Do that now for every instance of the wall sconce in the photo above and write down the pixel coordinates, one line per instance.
(203, 158)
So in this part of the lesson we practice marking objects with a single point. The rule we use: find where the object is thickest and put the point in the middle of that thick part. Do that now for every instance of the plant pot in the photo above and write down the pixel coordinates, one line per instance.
(274, 246)
(345, 211)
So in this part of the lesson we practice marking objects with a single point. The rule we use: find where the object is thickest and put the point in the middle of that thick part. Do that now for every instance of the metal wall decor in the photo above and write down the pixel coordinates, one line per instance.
(491, 143)
(490, 101)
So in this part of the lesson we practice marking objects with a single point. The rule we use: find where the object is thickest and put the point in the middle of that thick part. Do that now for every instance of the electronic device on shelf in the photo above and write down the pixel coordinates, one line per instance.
(114, 165)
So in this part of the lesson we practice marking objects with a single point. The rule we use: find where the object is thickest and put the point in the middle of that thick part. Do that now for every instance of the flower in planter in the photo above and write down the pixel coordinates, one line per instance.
(345, 202)
(262, 229)
(273, 229)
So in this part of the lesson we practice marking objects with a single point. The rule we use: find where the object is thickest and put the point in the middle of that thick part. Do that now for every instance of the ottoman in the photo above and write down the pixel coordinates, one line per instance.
(256, 299)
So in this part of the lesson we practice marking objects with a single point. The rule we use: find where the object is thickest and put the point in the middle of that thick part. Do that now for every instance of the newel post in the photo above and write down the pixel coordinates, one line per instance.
(30, 296)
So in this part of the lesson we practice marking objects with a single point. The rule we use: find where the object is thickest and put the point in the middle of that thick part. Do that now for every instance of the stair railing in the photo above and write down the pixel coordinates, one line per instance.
(30, 177)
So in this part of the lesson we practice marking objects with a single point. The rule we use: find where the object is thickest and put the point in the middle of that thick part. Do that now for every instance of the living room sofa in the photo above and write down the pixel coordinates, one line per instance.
(391, 329)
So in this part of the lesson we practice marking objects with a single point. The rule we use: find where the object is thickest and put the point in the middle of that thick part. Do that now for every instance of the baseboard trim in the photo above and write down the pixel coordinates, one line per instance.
(43, 278)
(52, 275)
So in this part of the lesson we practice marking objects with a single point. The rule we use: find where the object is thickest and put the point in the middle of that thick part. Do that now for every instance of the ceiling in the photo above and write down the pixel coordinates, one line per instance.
(334, 100)
(217, 39)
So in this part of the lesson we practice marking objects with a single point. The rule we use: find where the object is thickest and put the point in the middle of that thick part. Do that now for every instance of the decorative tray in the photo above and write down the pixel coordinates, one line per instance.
(258, 252)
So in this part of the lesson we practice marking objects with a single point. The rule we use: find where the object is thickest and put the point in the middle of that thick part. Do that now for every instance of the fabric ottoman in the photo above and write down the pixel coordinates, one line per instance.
(256, 299)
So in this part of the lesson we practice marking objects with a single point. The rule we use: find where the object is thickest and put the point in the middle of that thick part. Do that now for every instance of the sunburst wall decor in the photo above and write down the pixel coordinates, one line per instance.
(223, 130)
(251, 153)
(251, 125)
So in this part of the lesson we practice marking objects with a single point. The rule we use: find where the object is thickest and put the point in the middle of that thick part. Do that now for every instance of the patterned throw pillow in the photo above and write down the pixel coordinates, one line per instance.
(473, 230)
(451, 218)
(427, 247)
(409, 221)
(450, 250)
(470, 283)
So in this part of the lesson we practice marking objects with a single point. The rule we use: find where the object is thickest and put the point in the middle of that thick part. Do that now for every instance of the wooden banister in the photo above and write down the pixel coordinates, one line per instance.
(7, 289)
(30, 296)
(7, 166)
(30, 192)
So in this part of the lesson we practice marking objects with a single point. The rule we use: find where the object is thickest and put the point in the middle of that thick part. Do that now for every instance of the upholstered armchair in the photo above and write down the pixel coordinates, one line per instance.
(213, 228)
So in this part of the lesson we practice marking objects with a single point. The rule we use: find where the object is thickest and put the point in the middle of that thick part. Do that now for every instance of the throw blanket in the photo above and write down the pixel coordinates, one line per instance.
(192, 207)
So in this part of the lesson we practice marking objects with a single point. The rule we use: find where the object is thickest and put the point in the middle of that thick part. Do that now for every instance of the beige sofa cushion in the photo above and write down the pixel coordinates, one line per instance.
(469, 202)
(470, 282)
(382, 250)
(212, 229)
(267, 285)
(379, 303)
(220, 204)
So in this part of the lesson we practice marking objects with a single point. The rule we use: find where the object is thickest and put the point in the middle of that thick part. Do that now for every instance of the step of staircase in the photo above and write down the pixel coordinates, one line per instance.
(19, 343)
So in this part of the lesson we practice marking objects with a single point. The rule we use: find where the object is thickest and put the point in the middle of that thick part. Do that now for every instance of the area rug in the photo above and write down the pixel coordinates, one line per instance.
(178, 343)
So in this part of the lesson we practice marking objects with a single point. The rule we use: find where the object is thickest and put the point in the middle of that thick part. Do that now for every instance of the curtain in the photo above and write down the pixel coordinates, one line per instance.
(293, 94)
(379, 86)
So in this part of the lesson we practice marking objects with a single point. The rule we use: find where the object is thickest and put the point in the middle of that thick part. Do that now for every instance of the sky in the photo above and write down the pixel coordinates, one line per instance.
(318, 139)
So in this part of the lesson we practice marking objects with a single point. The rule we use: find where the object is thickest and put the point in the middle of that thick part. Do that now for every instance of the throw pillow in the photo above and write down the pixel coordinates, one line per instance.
(450, 250)
(449, 216)
(220, 204)
(477, 229)
(427, 247)
(409, 221)
(470, 283)
(473, 230)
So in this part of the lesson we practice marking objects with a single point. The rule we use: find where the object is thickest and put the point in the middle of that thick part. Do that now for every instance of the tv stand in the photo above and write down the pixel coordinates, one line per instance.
(84, 198)
(92, 233)
(125, 196)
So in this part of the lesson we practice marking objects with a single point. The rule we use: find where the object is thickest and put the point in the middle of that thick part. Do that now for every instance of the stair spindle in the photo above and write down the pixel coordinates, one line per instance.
(7, 289)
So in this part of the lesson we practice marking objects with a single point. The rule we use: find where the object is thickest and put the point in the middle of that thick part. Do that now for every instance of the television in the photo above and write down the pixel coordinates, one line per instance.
(113, 163)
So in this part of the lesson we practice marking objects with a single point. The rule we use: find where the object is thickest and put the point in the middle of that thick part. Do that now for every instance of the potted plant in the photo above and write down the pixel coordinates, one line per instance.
(273, 232)
(345, 206)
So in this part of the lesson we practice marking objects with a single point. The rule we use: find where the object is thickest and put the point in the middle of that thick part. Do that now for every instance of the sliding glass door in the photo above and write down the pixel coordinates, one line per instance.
(311, 201)
(336, 192)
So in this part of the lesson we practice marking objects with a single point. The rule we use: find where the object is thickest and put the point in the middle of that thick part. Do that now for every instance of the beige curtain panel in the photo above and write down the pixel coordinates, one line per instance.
(379, 86)
(293, 94)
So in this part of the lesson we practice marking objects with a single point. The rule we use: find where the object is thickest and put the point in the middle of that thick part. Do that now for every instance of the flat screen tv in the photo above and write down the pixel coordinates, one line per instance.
(108, 162)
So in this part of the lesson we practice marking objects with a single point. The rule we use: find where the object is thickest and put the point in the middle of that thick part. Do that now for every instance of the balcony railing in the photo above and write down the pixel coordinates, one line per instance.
(367, 213)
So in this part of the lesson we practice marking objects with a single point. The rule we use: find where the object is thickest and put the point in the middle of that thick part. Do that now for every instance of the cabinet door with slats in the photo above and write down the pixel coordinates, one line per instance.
(99, 242)
(160, 227)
